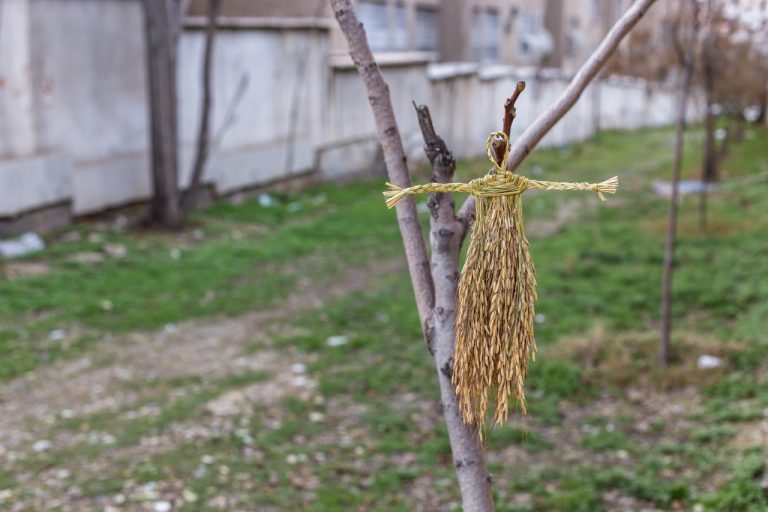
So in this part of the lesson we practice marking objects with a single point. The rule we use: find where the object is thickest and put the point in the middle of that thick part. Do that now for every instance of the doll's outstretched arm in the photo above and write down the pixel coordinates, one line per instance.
(395, 194)
(608, 186)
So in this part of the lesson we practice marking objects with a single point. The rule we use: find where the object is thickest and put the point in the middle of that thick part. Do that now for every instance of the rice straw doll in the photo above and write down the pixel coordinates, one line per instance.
(497, 288)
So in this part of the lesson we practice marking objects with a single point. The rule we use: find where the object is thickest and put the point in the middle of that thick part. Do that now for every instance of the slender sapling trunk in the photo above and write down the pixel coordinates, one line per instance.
(687, 61)
(192, 196)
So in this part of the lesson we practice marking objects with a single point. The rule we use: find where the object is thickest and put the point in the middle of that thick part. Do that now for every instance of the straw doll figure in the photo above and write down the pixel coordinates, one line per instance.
(497, 288)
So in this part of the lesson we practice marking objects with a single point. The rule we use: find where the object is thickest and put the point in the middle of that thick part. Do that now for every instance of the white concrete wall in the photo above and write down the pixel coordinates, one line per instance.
(285, 72)
(17, 87)
(74, 115)
(349, 144)
(91, 99)
(466, 104)
(73, 104)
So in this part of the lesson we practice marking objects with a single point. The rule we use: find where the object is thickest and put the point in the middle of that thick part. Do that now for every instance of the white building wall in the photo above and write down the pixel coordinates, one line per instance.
(74, 115)
(91, 101)
(17, 98)
(348, 142)
(284, 73)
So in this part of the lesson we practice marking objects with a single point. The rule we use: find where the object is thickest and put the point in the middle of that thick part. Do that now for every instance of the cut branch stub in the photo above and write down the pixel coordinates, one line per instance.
(445, 238)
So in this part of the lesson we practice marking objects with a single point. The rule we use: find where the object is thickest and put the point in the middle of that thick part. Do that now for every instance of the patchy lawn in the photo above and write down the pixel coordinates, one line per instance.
(270, 357)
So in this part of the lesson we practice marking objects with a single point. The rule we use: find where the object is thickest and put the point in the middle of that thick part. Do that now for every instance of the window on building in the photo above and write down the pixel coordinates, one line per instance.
(594, 10)
(426, 38)
(373, 15)
(574, 38)
(529, 27)
(534, 41)
(400, 29)
(485, 36)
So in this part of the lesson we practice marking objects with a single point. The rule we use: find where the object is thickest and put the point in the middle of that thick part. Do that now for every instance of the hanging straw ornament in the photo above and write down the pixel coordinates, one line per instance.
(497, 288)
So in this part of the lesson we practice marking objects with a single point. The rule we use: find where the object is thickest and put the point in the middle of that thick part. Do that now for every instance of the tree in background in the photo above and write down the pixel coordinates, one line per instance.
(721, 48)
(734, 73)
(191, 196)
(435, 282)
(684, 35)
(163, 23)
(162, 26)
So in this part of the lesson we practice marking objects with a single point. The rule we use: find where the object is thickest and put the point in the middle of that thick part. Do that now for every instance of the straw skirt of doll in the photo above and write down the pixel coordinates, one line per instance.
(494, 321)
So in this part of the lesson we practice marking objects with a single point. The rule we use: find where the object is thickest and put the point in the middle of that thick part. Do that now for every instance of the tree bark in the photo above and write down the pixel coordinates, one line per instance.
(160, 18)
(445, 239)
(394, 157)
(669, 251)
(192, 195)
(437, 319)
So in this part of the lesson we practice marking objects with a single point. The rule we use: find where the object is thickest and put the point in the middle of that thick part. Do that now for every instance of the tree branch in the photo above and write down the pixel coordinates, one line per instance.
(394, 157)
(190, 199)
(510, 112)
(676, 39)
(533, 135)
(230, 115)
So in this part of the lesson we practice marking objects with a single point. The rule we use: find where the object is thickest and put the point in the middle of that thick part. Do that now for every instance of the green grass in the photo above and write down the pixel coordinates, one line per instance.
(380, 441)
(222, 275)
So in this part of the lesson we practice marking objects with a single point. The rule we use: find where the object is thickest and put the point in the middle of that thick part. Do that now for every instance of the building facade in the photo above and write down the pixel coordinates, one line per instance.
(74, 117)
(552, 33)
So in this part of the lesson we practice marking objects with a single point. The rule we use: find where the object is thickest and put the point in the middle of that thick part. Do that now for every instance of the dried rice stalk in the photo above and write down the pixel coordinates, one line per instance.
(497, 289)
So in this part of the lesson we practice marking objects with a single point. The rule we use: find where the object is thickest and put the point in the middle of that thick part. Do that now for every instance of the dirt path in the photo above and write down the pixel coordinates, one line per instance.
(102, 380)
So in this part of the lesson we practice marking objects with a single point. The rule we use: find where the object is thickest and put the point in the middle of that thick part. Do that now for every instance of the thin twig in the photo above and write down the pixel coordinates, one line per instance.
(510, 112)
(230, 116)
(190, 199)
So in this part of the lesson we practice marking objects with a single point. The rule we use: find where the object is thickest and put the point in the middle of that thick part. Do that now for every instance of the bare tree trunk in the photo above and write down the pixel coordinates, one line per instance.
(687, 59)
(446, 238)
(192, 195)
(708, 167)
(161, 17)
(437, 319)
